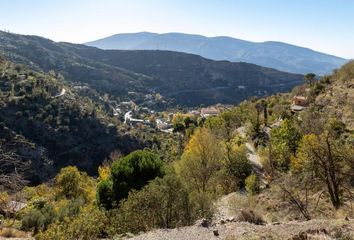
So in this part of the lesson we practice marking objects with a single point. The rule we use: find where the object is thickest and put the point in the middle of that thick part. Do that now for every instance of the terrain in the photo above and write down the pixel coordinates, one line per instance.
(180, 78)
(278, 55)
(81, 160)
(45, 125)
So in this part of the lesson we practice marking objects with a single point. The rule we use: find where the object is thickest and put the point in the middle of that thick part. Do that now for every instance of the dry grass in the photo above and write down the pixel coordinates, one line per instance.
(12, 233)
(251, 217)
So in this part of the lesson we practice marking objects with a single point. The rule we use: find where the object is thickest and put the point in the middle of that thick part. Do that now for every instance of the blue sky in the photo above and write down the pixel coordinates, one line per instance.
(323, 25)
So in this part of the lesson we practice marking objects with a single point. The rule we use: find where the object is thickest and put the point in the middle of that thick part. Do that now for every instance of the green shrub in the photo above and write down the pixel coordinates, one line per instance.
(252, 184)
(87, 225)
(39, 219)
(105, 193)
(163, 203)
(238, 165)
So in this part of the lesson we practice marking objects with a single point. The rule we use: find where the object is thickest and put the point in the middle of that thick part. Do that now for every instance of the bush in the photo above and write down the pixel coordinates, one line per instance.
(12, 233)
(252, 184)
(105, 193)
(89, 224)
(39, 219)
(163, 203)
(72, 184)
(238, 166)
(251, 217)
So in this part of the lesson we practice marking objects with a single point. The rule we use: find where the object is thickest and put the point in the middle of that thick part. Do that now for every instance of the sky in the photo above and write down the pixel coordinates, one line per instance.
(323, 25)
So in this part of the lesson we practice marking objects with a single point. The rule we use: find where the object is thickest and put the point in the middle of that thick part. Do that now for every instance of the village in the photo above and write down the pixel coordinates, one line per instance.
(133, 115)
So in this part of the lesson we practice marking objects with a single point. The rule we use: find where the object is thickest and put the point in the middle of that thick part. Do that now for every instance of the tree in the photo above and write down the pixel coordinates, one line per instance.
(238, 166)
(12, 167)
(252, 184)
(284, 143)
(163, 203)
(199, 168)
(133, 171)
(309, 78)
(201, 160)
(87, 225)
(178, 122)
(71, 183)
(328, 160)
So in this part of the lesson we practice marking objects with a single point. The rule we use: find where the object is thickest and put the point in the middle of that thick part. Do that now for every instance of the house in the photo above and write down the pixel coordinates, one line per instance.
(299, 103)
(195, 113)
(208, 112)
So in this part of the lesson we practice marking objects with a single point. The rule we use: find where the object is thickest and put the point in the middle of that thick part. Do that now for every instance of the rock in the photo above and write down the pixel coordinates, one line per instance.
(216, 232)
(231, 219)
(203, 222)
(276, 223)
(346, 218)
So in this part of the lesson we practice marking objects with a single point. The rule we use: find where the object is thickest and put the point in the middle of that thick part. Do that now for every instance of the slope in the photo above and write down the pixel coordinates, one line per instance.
(182, 79)
(45, 128)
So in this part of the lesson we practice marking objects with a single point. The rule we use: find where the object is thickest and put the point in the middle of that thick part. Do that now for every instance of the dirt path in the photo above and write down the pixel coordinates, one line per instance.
(253, 157)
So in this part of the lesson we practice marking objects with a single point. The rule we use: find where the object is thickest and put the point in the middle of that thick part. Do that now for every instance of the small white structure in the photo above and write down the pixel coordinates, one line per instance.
(210, 111)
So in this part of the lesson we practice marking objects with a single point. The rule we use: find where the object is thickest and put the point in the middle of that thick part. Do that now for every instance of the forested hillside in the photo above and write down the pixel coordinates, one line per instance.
(45, 126)
(180, 78)
(262, 162)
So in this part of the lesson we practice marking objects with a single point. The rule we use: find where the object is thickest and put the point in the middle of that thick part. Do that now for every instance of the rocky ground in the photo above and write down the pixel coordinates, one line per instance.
(313, 229)
(228, 225)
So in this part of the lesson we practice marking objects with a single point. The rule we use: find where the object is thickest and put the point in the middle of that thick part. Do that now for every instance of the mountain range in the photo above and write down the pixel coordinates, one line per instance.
(182, 79)
(278, 55)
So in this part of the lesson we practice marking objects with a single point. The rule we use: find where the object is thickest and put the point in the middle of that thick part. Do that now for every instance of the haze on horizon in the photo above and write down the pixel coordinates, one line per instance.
(322, 25)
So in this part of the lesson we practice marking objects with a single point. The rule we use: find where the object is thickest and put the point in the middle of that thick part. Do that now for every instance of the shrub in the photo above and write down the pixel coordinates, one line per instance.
(252, 184)
(72, 184)
(163, 203)
(250, 216)
(105, 193)
(238, 166)
(39, 219)
(12, 233)
(89, 224)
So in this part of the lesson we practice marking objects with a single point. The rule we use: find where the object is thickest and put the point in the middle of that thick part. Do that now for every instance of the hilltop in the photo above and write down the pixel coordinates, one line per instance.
(278, 55)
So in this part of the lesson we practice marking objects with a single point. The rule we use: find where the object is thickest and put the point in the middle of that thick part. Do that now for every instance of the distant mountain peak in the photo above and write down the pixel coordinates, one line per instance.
(274, 54)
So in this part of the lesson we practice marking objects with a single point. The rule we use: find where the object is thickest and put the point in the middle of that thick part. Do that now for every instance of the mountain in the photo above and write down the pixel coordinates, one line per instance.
(181, 79)
(278, 55)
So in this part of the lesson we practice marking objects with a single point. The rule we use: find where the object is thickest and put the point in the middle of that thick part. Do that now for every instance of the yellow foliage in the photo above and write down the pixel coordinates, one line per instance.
(4, 199)
(103, 173)
(201, 160)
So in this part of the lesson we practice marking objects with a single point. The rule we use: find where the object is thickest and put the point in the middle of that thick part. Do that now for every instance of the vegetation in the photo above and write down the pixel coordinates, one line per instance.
(133, 171)
(303, 164)
(41, 132)
(180, 78)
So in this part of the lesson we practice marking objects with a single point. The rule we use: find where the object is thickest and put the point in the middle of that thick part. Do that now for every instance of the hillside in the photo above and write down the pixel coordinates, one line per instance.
(337, 97)
(45, 126)
(278, 55)
(255, 171)
(181, 79)
(192, 80)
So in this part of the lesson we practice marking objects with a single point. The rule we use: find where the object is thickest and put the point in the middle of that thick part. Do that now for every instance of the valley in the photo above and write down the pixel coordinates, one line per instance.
(158, 144)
